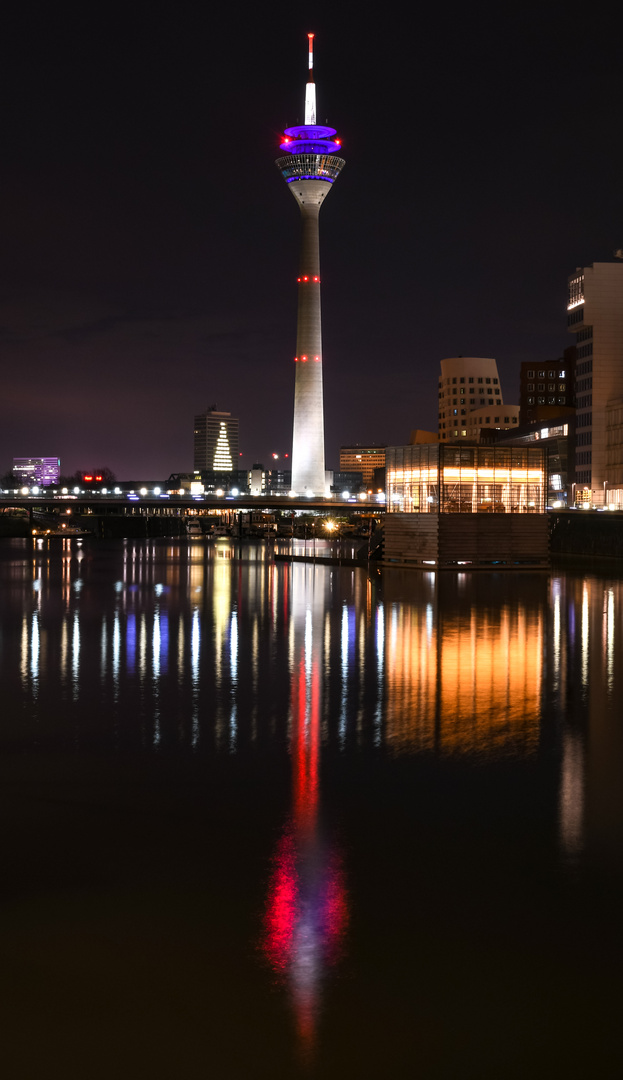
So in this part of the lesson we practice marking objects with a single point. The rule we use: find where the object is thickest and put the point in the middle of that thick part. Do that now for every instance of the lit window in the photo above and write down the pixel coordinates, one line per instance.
(561, 375)
(541, 374)
(562, 386)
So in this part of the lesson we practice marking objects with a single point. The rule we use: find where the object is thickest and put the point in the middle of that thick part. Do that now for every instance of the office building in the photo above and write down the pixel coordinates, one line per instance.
(595, 316)
(310, 167)
(362, 458)
(216, 442)
(466, 383)
(37, 470)
(547, 391)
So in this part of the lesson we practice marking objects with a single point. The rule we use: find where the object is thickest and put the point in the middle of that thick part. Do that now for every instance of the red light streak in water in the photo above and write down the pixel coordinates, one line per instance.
(306, 910)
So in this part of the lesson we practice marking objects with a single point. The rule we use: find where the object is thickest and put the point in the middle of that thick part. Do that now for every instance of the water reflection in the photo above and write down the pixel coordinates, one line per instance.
(170, 644)
(306, 911)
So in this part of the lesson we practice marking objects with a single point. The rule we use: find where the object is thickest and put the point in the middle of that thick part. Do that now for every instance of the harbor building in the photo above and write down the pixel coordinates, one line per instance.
(498, 491)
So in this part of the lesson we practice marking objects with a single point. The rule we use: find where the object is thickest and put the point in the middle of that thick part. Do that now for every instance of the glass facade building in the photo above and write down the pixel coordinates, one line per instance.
(447, 479)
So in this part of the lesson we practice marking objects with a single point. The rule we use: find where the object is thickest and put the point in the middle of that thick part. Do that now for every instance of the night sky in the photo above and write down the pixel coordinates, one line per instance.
(149, 245)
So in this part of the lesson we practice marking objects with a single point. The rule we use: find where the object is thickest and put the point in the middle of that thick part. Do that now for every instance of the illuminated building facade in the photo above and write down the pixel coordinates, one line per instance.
(364, 459)
(216, 442)
(37, 470)
(595, 316)
(310, 167)
(499, 491)
(466, 383)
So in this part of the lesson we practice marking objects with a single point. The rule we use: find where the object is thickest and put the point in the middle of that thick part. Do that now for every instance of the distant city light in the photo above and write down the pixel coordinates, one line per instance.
(219, 492)
(235, 492)
(156, 491)
(346, 495)
(24, 491)
(142, 491)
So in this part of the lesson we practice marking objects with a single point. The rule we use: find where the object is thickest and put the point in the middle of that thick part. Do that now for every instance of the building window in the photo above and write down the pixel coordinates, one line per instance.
(514, 419)
(562, 386)
(471, 378)
(506, 420)
(497, 390)
(488, 380)
(551, 386)
(462, 379)
(472, 401)
(530, 401)
(530, 386)
(540, 401)
(541, 374)
(480, 378)
(529, 374)
(490, 401)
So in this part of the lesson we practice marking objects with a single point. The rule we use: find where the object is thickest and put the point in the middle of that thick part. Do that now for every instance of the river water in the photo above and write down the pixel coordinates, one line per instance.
(263, 819)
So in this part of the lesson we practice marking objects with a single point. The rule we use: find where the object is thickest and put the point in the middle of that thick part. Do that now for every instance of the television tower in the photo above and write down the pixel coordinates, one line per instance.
(309, 169)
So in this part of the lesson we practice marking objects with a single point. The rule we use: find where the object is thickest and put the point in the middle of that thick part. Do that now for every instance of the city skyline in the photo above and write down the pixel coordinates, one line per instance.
(143, 275)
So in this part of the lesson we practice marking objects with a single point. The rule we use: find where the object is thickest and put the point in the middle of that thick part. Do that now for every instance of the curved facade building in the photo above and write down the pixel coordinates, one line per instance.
(310, 166)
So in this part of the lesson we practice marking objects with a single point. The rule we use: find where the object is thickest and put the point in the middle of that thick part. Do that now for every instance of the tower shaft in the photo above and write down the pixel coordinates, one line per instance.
(308, 464)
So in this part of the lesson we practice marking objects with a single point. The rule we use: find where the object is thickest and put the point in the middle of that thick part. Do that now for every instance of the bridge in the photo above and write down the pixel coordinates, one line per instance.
(136, 514)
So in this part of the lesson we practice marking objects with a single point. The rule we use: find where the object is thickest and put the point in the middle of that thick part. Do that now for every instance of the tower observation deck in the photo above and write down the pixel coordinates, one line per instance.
(310, 166)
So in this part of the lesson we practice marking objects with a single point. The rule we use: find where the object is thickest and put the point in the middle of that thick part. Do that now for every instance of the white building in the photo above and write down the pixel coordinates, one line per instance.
(469, 392)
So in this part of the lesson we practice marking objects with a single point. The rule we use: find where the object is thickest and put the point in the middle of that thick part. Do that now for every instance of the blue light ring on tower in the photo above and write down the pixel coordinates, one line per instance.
(310, 139)
(310, 167)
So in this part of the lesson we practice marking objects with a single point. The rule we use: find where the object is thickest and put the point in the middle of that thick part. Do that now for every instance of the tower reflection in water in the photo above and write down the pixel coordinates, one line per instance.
(306, 911)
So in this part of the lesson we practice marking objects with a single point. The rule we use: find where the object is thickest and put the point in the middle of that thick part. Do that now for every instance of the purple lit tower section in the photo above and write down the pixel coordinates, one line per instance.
(309, 168)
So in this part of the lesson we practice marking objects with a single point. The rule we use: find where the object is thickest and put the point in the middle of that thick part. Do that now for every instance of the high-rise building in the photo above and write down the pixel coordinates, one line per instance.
(216, 441)
(310, 167)
(37, 470)
(363, 458)
(595, 316)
